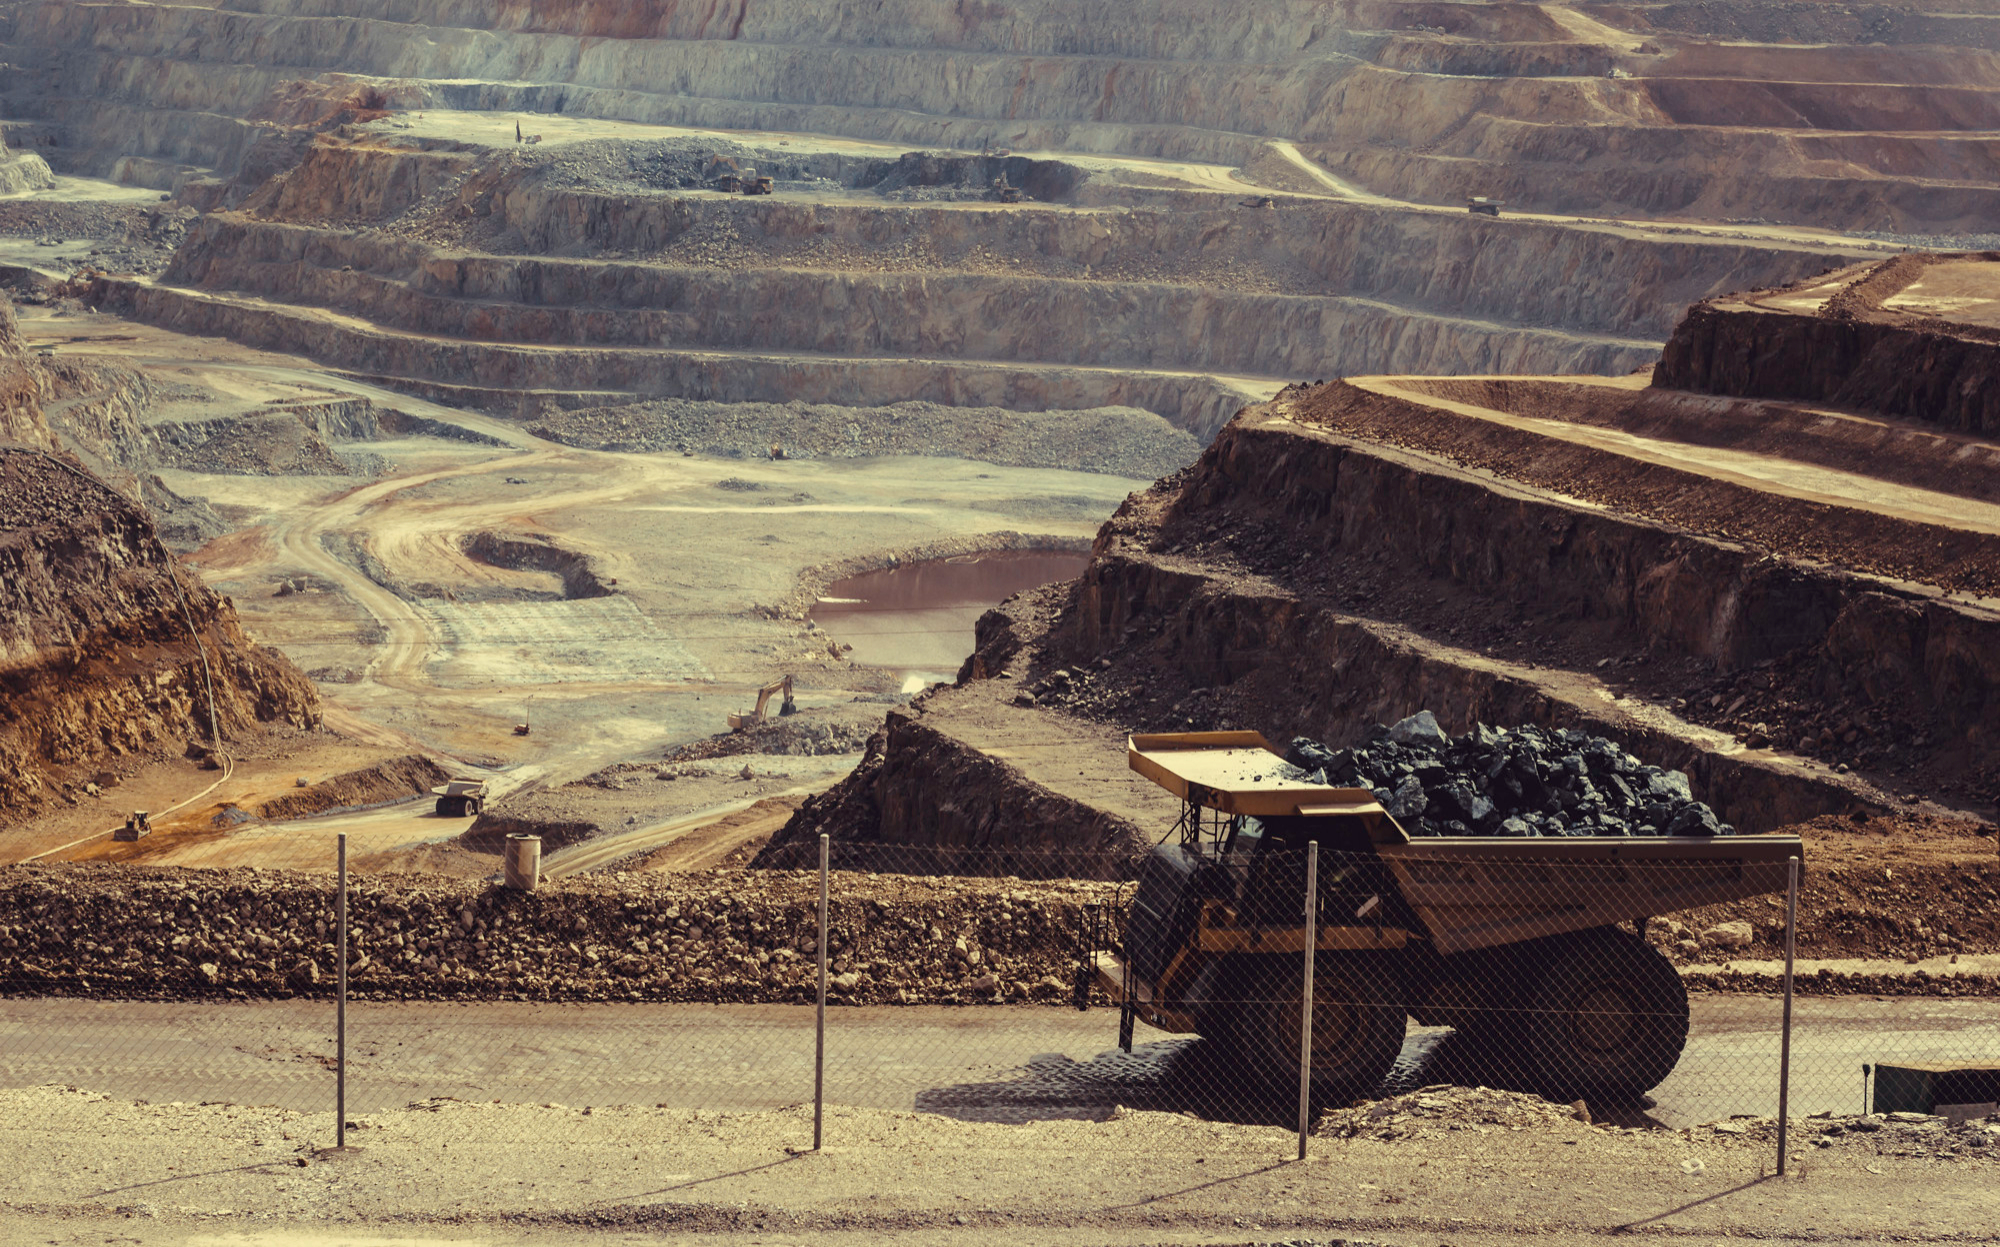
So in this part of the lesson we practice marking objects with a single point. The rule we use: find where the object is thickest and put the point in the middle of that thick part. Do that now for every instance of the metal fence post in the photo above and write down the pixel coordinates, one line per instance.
(819, 1043)
(1306, 1001)
(340, 1005)
(1785, 1041)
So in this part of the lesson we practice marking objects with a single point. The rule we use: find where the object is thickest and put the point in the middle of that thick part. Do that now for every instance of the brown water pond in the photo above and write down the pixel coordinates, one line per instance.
(918, 617)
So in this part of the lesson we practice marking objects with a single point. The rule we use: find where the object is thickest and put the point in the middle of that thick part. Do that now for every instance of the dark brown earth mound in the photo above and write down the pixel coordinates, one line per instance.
(398, 779)
(107, 646)
(924, 801)
(704, 935)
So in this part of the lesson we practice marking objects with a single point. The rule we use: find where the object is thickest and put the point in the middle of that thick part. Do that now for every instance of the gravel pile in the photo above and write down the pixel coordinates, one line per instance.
(1437, 1109)
(261, 444)
(1121, 441)
(1880, 1134)
(117, 238)
(1524, 781)
(667, 164)
(1933, 242)
(1441, 1110)
(1896, 1134)
(807, 734)
(737, 936)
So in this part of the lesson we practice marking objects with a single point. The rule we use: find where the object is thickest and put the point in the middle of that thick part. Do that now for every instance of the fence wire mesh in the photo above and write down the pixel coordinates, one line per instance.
(993, 985)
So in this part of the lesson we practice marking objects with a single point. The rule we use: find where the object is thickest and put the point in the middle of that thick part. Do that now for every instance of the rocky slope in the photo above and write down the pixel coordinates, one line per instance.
(450, 268)
(107, 647)
(1807, 641)
(506, 209)
(1872, 339)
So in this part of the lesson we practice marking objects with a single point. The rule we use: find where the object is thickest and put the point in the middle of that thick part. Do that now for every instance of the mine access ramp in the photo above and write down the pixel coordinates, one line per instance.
(1515, 942)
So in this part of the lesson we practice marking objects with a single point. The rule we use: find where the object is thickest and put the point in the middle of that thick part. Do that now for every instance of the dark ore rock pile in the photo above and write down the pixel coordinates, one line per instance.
(1524, 781)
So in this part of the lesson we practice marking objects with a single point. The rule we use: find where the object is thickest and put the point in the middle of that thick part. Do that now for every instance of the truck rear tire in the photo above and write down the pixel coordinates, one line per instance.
(450, 807)
(1609, 1018)
(1357, 1027)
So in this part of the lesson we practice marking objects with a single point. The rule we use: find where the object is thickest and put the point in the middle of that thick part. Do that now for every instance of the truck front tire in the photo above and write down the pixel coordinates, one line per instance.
(1357, 1027)
(1609, 1018)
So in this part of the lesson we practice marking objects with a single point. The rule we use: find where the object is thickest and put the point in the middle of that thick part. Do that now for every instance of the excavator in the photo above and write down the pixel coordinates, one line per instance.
(737, 722)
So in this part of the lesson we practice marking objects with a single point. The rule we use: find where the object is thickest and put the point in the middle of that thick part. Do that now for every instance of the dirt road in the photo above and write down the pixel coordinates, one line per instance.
(1008, 1064)
(412, 667)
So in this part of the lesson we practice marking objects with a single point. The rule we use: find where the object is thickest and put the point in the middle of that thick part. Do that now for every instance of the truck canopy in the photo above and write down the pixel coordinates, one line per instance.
(1239, 773)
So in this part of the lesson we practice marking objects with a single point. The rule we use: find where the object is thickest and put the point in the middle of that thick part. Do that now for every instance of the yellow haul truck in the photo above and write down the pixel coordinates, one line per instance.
(1515, 942)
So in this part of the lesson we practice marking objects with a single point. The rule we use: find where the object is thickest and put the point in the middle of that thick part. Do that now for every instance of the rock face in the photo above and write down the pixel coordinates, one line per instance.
(1853, 354)
(107, 647)
(1676, 111)
(23, 171)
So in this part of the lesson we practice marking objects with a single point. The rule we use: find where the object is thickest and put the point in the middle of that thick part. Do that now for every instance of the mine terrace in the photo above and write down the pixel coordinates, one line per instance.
(693, 439)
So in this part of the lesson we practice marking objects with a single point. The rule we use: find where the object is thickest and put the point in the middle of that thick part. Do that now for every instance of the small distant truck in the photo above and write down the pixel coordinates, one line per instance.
(460, 798)
(1513, 942)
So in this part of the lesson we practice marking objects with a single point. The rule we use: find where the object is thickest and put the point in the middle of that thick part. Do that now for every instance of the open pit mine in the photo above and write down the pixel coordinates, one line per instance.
(681, 431)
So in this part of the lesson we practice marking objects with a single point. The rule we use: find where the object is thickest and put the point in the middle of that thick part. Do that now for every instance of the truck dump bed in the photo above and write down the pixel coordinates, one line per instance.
(1475, 892)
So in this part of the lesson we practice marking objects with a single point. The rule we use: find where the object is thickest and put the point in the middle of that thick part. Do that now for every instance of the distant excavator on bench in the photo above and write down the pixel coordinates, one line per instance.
(737, 722)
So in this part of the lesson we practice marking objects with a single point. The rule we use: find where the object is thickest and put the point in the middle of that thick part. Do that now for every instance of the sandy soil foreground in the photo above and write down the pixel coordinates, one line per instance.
(82, 1166)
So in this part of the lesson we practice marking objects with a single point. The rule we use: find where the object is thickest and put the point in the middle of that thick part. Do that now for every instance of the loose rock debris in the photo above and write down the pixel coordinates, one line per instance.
(1524, 781)
(1444, 1108)
(710, 936)
(1437, 1112)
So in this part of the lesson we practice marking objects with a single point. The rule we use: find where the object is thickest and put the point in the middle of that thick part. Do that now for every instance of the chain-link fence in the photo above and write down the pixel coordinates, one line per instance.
(998, 985)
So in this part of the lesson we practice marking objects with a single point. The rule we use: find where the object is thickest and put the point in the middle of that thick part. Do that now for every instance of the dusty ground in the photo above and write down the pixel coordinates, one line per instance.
(454, 1171)
(420, 647)
(993, 1063)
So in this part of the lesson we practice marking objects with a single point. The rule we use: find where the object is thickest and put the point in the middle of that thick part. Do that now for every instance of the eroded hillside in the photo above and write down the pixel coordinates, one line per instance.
(109, 649)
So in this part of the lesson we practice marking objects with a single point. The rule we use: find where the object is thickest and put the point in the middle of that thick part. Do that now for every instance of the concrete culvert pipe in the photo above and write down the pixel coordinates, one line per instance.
(524, 862)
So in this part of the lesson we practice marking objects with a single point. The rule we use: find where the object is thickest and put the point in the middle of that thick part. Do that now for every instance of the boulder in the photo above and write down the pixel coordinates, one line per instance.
(1729, 935)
